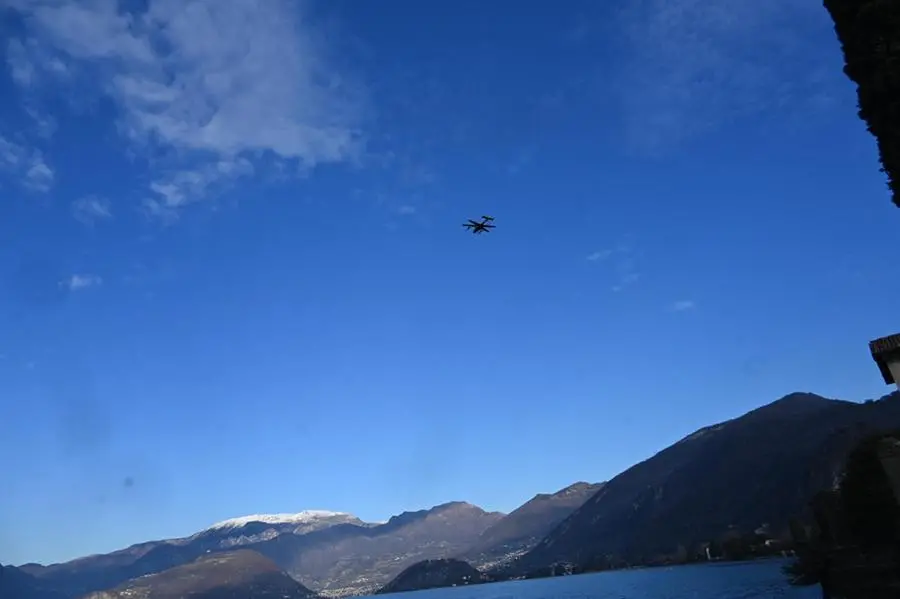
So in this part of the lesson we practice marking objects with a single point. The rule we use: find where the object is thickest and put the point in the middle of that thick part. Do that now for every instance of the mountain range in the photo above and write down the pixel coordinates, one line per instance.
(18, 584)
(755, 471)
(760, 469)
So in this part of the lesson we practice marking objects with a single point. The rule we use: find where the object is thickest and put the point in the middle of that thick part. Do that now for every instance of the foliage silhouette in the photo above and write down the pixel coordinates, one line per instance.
(869, 33)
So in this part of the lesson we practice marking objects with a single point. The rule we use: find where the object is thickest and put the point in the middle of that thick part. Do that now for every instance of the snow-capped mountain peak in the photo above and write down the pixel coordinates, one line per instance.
(300, 518)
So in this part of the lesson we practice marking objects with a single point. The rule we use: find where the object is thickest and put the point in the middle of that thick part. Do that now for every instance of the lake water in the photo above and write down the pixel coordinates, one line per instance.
(753, 580)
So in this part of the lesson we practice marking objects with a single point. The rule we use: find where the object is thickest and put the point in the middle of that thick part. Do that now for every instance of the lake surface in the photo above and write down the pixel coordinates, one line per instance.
(761, 579)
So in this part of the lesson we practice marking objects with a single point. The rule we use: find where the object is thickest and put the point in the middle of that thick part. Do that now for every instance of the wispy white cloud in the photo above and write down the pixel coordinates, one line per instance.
(27, 164)
(175, 189)
(159, 210)
(21, 67)
(44, 124)
(626, 279)
(22, 60)
(599, 255)
(623, 263)
(28, 62)
(682, 305)
(223, 84)
(691, 65)
(91, 209)
(79, 282)
(38, 176)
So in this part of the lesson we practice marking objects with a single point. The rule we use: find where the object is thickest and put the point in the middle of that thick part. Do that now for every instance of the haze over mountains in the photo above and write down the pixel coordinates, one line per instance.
(16, 583)
(330, 552)
(758, 469)
(226, 575)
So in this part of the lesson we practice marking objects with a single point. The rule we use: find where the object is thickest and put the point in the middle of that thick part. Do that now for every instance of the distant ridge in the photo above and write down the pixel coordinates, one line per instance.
(525, 526)
(303, 517)
(228, 575)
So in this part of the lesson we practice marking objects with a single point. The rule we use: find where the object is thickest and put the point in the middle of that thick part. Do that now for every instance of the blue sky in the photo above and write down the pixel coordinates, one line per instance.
(233, 278)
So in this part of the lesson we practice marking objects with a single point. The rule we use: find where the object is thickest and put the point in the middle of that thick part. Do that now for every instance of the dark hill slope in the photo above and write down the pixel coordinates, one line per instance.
(524, 527)
(227, 575)
(17, 584)
(433, 573)
(760, 468)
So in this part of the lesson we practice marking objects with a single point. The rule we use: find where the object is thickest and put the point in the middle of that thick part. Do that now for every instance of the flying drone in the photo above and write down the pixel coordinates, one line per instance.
(484, 226)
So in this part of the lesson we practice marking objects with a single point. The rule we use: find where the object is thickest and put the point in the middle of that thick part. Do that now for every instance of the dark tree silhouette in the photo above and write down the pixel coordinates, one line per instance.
(870, 509)
(865, 514)
(869, 32)
(808, 568)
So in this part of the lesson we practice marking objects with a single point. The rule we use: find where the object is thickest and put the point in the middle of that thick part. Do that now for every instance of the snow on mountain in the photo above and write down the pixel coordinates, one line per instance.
(300, 518)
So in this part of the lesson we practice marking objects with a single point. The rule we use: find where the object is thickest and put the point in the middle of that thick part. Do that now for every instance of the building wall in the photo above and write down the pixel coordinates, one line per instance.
(889, 453)
(894, 367)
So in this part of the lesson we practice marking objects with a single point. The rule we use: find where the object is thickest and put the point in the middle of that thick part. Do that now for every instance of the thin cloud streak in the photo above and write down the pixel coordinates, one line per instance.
(27, 164)
(91, 209)
(624, 265)
(599, 255)
(682, 305)
(78, 282)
